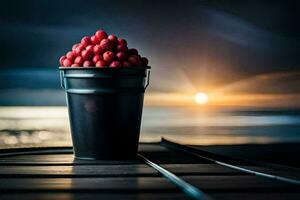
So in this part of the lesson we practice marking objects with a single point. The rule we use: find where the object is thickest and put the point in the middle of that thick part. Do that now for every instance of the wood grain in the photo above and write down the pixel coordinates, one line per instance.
(87, 184)
(78, 171)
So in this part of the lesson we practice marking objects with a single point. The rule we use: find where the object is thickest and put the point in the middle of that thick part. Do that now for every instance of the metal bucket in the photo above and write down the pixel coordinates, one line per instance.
(105, 109)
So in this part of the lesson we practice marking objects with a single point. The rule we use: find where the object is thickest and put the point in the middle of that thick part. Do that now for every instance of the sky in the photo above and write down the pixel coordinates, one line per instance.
(219, 47)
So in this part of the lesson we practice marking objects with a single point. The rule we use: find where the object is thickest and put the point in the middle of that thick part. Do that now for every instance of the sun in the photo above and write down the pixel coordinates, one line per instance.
(201, 98)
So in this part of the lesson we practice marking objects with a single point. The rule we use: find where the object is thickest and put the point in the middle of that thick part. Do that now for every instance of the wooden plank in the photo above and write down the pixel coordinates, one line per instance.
(63, 158)
(67, 159)
(201, 169)
(254, 164)
(113, 170)
(59, 159)
(8, 153)
(270, 153)
(172, 157)
(199, 154)
(152, 148)
(34, 150)
(41, 157)
(257, 196)
(94, 196)
(236, 183)
(127, 184)
(77, 171)
(288, 173)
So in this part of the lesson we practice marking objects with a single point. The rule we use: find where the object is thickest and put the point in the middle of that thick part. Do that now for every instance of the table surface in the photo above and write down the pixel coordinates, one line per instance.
(53, 173)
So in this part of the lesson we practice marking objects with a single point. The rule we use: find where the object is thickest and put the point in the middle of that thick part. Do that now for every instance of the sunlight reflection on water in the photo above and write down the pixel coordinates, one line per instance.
(49, 126)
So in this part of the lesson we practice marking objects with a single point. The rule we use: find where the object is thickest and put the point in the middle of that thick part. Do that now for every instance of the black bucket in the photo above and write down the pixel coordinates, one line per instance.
(105, 109)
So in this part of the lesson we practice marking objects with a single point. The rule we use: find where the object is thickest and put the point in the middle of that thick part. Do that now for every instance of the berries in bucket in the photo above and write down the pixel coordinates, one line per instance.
(102, 50)
(104, 83)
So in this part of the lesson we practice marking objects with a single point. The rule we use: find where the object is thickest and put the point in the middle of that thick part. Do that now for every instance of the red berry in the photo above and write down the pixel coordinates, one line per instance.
(115, 64)
(94, 40)
(113, 38)
(126, 64)
(122, 47)
(121, 56)
(74, 46)
(132, 51)
(145, 61)
(86, 40)
(135, 60)
(108, 56)
(87, 63)
(75, 65)
(101, 63)
(78, 60)
(122, 41)
(67, 63)
(70, 55)
(96, 58)
(100, 34)
(89, 47)
(78, 50)
(61, 60)
(106, 44)
(97, 49)
(86, 54)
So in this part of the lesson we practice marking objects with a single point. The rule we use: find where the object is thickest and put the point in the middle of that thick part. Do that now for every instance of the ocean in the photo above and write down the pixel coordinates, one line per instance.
(49, 126)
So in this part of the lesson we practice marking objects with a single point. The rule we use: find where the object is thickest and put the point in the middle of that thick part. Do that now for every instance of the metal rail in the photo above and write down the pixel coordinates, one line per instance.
(187, 188)
(188, 150)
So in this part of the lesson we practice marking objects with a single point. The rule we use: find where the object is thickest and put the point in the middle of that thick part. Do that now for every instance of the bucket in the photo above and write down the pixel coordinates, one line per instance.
(105, 109)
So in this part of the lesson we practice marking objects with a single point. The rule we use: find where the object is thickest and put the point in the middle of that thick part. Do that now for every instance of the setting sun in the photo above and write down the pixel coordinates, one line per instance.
(201, 98)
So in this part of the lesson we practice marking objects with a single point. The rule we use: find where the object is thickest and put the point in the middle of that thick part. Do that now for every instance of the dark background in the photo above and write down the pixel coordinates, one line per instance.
(190, 44)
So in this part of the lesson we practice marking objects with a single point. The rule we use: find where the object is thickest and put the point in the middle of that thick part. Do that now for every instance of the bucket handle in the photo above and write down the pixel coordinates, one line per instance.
(62, 77)
(148, 80)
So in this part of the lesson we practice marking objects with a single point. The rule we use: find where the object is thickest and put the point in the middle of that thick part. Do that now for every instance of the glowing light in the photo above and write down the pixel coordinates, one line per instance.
(201, 98)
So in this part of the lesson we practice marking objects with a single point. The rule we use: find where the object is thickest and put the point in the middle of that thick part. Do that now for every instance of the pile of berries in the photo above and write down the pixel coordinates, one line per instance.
(102, 50)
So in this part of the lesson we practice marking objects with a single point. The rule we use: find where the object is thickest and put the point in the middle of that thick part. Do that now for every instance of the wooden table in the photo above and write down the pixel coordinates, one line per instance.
(52, 173)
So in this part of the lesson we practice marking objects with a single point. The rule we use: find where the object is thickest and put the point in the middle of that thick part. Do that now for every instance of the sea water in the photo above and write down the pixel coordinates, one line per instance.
(49, 126)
